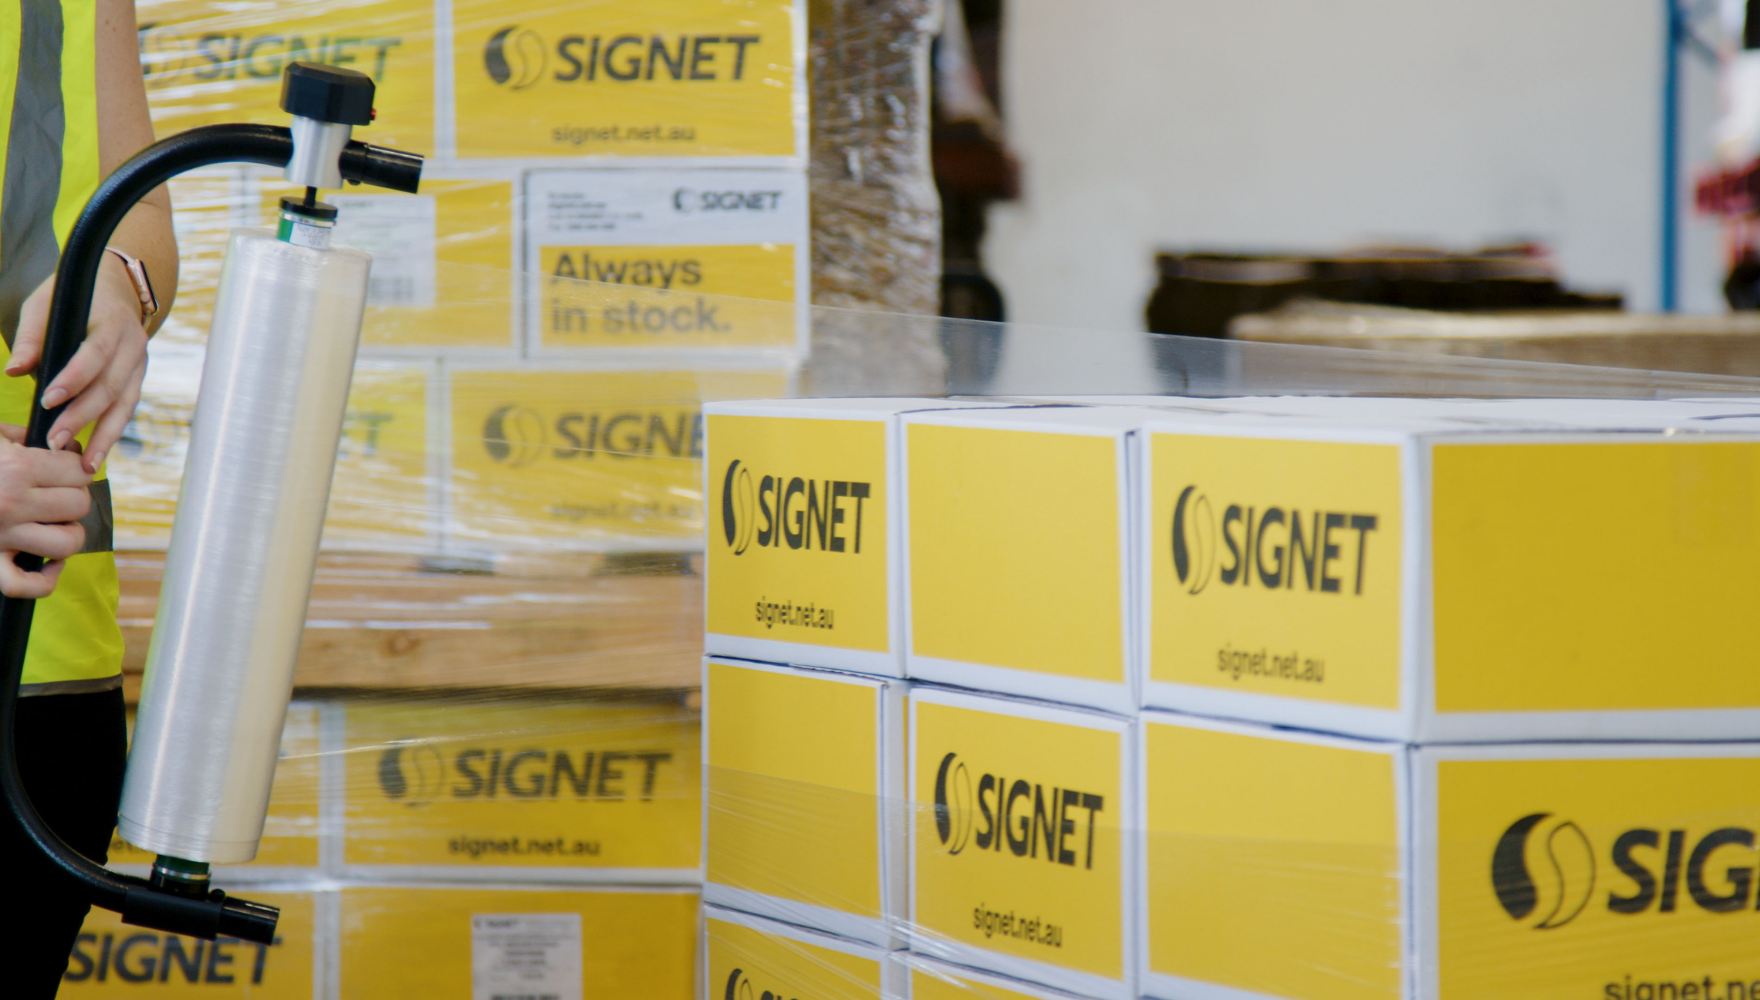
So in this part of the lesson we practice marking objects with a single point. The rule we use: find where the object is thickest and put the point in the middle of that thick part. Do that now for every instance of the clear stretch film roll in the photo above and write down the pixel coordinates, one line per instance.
(238, 574)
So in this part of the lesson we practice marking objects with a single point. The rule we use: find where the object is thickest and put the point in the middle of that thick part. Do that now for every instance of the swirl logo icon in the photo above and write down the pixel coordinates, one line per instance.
(1567, 875)
(411, 772)
(953, 804)
(515, 435)
(514, 57)
(739, 986)
(738, 504)
(1194, 540)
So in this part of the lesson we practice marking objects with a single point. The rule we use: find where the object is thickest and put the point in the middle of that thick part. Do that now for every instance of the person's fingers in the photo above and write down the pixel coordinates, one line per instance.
(89, 364)
(40, 467)
(51, 541)
(13, 433)
(115, 420)
(53, 504)
(91, 404)
(33, 317)
(15, 582)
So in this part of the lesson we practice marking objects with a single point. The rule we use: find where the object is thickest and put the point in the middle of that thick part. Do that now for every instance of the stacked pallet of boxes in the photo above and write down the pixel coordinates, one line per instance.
(1487, 665)
(613, 227)
(861, 542)
(1279, 698)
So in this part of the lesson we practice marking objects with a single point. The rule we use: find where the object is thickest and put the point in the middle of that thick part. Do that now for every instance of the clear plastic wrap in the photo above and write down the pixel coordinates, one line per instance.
(499, 769)
(484, 649)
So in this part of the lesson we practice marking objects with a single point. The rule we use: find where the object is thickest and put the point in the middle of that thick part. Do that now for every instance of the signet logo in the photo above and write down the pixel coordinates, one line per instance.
(514, 58)
(1569, 876)
(1027, 816)
(412, 772)
(739, 987)
(953, 804)
(1272, 548)
(793, 512)
(1194, 539)
(738, 505)
(515, 435)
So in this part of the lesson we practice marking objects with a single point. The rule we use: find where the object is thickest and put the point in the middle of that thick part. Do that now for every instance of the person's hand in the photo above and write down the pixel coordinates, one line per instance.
(42, 497)
(104, 378)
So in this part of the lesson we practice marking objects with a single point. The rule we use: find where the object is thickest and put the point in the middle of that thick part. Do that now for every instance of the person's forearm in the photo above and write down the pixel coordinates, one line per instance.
(146, 233)
(124, 129)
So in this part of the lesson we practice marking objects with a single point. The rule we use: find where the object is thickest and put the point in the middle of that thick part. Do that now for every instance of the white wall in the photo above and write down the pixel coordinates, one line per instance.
(1315, 124)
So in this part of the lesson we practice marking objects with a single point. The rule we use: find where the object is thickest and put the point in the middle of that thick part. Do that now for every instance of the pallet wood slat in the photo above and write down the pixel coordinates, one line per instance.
(379, 621)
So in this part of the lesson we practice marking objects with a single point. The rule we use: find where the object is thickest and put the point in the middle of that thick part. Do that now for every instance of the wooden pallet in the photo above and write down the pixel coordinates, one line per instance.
(396, 622)
(1710, 345)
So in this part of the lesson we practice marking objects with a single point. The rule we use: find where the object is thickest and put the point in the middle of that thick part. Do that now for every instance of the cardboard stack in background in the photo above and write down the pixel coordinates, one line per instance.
(613, 228)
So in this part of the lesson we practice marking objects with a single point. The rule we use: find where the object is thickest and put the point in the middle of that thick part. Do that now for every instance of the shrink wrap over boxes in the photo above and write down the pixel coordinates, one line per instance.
(441, 278)
(696, 79)
(528, 941)
(645, 260)
(804, 535)
(1392, 574)
(804, 779)
(750, 957)
(594, 460)
(1020, 552)
(932, 980)
(521, 789)
(112, 959)
(1615, 870)
(1022, 855)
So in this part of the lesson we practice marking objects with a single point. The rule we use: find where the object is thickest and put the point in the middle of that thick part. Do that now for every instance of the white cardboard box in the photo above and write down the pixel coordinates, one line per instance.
(804, 538)
(1020, 552)
(1423, 579)
(803, 793)
(747, 958)
(1379, 869)
(1022, 862)
(932, 980)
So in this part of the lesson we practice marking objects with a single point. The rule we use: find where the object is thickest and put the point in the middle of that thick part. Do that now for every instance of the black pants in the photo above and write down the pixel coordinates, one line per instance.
(71, 753)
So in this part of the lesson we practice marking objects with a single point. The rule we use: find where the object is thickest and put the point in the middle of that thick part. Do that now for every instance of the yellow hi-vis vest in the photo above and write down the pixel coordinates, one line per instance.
(49, 150)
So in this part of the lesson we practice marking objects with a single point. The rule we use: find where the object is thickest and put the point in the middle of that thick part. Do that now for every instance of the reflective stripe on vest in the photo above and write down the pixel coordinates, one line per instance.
(49, 145)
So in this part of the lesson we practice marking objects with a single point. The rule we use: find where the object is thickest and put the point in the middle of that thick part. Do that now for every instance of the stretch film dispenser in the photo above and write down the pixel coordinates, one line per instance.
(238, 574)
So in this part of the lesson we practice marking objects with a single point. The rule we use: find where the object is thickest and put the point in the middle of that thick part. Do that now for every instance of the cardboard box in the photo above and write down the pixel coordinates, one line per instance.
(1020, 862)
(661, 260)
(689, 78)
(932, 980)
(608, 460)
(1434, 580)
(385, 493)
(1377, 870)
(289, 849)
(1020, 548)
(804, 779)
(113, 959)
(520, 789)
(441, 260)
(747, 958)
(804, 561)
(449, 941)
(209, 63)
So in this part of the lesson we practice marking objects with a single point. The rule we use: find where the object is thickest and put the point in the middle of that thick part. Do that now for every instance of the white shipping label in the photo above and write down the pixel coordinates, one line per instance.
(665, 207)
(399, 231)
(526, 956)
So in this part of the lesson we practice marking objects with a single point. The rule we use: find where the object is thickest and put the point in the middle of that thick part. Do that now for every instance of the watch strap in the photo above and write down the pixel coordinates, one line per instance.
(143, 285)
